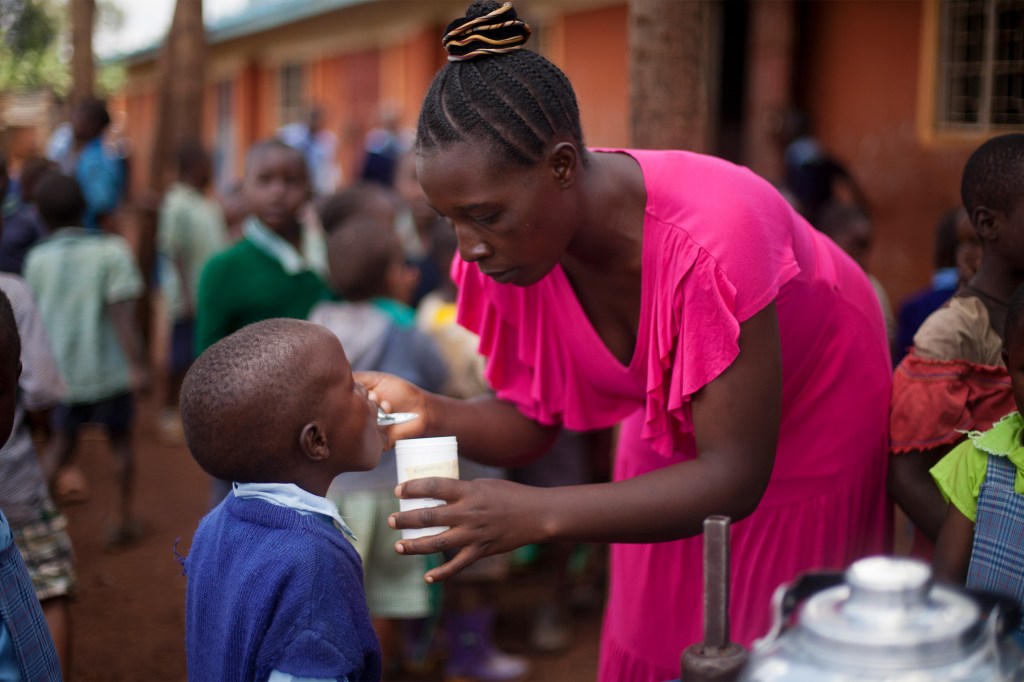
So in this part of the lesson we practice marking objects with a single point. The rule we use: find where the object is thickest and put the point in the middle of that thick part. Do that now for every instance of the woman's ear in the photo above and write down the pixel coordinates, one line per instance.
(564, 159)
(313, 442)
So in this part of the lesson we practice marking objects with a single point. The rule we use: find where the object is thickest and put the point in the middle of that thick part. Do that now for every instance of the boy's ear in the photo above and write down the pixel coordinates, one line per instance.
(313, 442)
(986, 222)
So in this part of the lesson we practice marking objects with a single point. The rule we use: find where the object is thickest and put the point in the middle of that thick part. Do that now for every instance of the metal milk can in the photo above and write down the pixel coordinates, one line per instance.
(886, 621)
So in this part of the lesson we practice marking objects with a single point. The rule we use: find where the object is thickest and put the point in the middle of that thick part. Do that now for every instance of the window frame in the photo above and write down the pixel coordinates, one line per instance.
(932, 88)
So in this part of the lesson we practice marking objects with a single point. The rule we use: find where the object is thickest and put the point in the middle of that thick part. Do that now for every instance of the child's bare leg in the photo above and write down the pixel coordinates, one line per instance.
(58, 452)
(57, 612)
(124, 473)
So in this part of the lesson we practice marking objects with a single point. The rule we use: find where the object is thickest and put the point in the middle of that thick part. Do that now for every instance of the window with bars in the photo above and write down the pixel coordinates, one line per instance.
(291, 102)
(981, 65)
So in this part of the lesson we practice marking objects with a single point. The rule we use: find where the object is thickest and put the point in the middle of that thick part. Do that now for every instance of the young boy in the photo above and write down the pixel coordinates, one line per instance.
(983, 480)
(954, 379)
(276, 269)
(191, 230)
(274, 588)
(376, 327)
(87, 285)
(99, 172)
(26, 648)
(39, 528)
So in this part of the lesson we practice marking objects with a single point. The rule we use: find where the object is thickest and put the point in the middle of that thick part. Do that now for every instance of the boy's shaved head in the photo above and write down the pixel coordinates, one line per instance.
(260, 149)
(359, 253)
(994, 175)
(60, 200)
(246, 399)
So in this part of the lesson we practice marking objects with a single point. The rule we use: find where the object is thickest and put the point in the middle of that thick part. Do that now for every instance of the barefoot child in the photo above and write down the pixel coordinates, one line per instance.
(273, 584)
(87, 285)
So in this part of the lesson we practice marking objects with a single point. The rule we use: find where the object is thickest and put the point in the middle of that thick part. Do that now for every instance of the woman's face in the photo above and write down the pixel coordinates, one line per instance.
(515, 223)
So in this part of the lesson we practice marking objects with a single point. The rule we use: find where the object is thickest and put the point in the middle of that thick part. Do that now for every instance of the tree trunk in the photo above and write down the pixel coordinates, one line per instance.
(668, 73)
(181, 80)
(83, 68)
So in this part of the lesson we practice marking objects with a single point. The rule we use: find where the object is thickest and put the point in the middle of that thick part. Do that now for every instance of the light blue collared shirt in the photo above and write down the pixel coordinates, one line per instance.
(312, 257)
(292, 496)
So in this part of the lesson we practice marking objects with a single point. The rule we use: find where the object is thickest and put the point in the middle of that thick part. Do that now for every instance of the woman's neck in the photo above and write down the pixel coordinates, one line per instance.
(612, 202)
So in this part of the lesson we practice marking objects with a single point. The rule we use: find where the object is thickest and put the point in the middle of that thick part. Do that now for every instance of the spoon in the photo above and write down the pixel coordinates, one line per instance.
(385, 419)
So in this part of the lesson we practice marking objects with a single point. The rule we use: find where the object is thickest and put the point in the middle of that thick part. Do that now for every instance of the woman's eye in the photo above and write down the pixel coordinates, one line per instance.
(488, 219)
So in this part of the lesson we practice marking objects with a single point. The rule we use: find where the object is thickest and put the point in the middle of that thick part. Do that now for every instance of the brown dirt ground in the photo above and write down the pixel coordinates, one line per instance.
(128, 619)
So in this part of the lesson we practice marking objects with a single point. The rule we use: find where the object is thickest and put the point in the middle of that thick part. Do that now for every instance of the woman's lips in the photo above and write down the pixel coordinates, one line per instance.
(500, 276)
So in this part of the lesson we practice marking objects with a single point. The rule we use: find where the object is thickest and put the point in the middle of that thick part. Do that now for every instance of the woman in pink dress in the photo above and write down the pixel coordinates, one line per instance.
(675, 294)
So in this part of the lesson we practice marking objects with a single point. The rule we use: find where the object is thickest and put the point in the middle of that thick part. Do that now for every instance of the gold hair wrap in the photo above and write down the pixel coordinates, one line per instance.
(496, 32)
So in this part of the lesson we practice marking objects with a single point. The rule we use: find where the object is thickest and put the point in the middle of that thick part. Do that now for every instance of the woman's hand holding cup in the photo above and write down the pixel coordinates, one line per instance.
(485, 516)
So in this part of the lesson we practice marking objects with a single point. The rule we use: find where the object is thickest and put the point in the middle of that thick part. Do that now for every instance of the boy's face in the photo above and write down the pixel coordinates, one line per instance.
(349, 416)
(968, 247)
(1011, 233)
(402, 278)
(276, 186)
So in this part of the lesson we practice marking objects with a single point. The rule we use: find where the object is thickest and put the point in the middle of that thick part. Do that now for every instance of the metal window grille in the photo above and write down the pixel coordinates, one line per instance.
(291, 101)
(981, 69)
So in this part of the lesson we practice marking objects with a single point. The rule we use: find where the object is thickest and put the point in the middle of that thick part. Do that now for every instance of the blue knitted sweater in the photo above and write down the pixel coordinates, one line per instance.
(272, 589)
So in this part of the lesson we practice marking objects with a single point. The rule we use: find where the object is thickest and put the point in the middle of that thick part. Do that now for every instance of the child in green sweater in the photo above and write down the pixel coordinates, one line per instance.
(276, 270)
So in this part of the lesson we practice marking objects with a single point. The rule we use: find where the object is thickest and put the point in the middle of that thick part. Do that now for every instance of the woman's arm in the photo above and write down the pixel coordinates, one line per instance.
(736, 424)
(489, 430)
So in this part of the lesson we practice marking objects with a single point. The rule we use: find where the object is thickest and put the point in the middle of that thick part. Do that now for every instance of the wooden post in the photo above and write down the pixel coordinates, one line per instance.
(668, 74)
(83, 68)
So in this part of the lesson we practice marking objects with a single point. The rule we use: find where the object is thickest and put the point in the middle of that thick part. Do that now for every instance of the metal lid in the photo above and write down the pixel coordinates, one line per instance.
(890, 615)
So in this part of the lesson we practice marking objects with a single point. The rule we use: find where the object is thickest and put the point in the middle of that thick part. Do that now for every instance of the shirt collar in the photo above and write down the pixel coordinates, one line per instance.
(292, 496)
(1004, 440)
(313, 255)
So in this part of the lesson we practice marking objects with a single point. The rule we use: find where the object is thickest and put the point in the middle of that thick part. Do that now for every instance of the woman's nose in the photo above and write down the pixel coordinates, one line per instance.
(472, 248)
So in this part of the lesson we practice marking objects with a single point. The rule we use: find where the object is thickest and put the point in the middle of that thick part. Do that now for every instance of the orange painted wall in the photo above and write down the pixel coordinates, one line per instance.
(140, 121)
(592, 49)
(423, 56)
(863, 80)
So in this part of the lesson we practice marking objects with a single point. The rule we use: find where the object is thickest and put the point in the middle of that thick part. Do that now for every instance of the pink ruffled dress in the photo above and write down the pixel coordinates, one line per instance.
(719, 245)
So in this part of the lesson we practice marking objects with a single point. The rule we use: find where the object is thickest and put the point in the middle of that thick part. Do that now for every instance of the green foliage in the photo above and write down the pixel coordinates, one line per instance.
(35, 45)
(31, 29)
(30, 49)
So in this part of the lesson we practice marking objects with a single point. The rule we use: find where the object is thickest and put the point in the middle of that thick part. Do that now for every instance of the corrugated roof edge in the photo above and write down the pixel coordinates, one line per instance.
(253, 19)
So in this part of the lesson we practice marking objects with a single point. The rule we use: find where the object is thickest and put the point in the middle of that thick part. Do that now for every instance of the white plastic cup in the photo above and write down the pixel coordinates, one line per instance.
(425, 458)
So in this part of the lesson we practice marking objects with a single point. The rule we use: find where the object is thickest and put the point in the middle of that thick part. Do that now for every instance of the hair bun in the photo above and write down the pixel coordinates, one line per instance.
(487, 28)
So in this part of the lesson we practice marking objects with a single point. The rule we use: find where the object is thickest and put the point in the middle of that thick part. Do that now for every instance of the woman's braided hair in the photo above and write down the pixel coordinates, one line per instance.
(492, 89)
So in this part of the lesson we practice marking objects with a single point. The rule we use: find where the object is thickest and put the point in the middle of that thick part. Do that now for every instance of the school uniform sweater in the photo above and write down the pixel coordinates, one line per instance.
(245, 284)
(272, 589)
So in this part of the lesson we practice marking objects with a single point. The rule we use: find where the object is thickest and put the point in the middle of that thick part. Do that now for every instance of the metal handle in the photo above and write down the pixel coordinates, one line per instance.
(716, 581)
